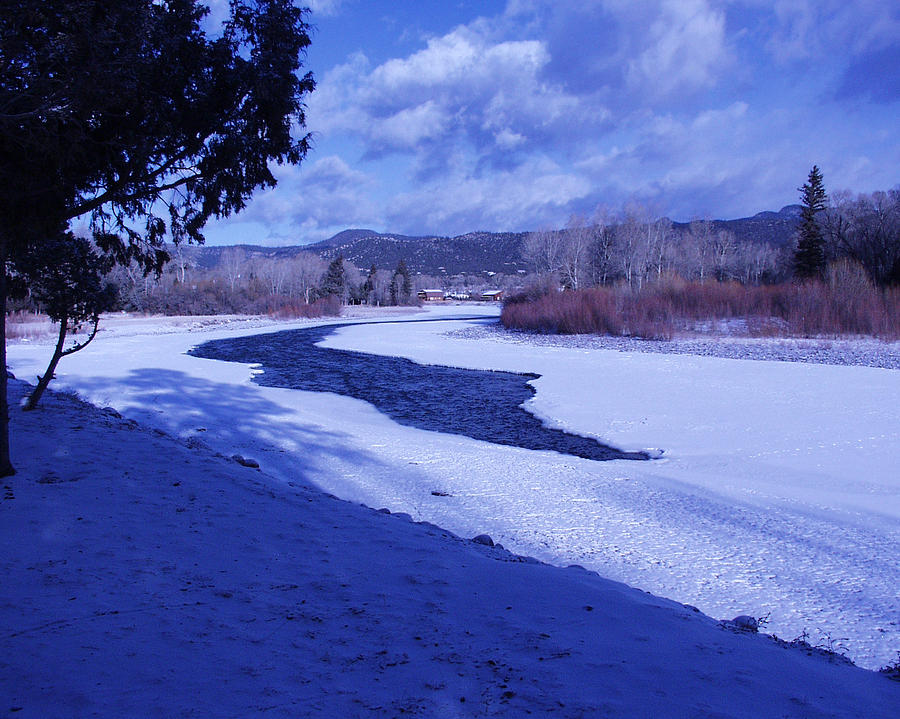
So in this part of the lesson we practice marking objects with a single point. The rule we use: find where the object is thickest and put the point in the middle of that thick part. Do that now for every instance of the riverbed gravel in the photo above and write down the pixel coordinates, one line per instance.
(864, 352)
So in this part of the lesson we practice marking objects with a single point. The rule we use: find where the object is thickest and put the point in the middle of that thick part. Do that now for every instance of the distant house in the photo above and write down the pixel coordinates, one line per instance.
(492, 295)
(431, 295)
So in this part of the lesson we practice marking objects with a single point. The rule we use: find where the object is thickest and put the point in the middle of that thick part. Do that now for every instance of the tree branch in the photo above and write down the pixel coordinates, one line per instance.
(84, 344)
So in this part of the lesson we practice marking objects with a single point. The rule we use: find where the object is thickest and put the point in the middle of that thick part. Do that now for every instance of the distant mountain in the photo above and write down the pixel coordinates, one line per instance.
(347, 236)
(474, 252)
(208, 256)
(773, 228)
(477, 252)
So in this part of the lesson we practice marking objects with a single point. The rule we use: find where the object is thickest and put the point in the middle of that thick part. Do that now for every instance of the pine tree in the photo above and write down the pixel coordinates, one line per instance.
(809, 257)
(335, 280)
(405, 289)
(369, 285)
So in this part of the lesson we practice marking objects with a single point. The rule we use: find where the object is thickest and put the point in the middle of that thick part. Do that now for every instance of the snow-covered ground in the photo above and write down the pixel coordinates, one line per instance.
(778, 494)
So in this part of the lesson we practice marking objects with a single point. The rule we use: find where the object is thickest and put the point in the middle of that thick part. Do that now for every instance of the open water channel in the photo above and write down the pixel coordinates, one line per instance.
(482, 405)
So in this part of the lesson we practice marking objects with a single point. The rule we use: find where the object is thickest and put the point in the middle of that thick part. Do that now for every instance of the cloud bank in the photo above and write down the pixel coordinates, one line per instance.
(543, 109)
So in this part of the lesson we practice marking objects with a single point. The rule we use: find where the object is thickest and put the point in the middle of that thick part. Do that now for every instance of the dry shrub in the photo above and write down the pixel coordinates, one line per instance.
(329, 306)
(845, 303)
(647, 315)
(583, 311)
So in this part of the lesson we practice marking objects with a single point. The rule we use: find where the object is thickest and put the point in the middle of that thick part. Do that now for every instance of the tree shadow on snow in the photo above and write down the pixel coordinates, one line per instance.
(229, 418)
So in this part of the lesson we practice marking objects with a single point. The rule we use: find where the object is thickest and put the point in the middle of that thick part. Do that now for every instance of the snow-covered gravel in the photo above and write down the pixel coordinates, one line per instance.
(862, 352)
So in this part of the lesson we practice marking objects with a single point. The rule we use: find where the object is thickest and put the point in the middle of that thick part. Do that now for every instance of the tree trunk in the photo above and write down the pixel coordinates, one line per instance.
(6, 468)
(58, 353)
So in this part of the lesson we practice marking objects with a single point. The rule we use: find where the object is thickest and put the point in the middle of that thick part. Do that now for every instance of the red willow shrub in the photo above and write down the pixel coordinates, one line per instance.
(846, 303)
(577, 312)
(329, 306)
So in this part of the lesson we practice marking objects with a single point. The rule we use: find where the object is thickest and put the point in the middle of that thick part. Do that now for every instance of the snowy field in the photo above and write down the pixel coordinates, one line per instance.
(778, 493)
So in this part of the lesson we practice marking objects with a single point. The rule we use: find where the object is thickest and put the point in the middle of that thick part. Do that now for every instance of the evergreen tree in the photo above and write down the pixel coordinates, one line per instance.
(407, 283)
(335, 280)
(401, 276)
(809, 257)
(65, 276)
(129, 115)
(369, 284)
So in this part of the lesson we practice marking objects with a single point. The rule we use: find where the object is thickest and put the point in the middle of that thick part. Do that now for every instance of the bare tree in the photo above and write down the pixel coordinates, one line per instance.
(134, 285)
(659, 246)
(233, 262)
(754, 263)
(574, 252)
(698, 251)
(180, 260)
(632, 245)
(305, 272)
(382, 286)
(543, 249)
(602, 251)
(867, 229)
(724, 246)
(274, 272)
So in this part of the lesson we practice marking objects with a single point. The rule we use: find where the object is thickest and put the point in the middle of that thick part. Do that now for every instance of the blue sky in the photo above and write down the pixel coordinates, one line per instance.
(448, 117)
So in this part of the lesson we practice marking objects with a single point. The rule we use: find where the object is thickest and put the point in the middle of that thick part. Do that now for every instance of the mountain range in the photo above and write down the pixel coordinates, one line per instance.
(479, 252)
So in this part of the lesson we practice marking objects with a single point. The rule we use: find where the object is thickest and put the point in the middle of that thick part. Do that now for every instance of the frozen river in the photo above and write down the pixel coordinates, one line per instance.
(778, 494)
(476, 403)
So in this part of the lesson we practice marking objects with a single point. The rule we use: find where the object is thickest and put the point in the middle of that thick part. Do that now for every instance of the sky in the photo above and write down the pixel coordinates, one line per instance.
(441, 118)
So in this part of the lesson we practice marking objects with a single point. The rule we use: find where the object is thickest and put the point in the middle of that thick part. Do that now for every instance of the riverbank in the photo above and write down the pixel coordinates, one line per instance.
(146, 575)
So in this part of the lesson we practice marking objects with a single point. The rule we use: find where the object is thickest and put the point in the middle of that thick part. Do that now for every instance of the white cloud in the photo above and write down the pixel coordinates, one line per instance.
(507, 139)
(520, 198)
(323, 194)
(685, 49)
(718, 119)
(409, 127)
(324, 7)
(489, 94)
(815, 28)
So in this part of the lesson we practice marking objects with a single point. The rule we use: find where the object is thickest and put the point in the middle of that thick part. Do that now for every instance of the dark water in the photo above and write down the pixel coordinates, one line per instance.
(478, 404)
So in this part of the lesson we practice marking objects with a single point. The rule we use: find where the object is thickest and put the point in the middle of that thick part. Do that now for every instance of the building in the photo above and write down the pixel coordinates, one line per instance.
(431, 295)
(492, 295)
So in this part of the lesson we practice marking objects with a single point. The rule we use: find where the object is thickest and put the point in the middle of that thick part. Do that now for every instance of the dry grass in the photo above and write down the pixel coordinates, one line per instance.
(28, 327)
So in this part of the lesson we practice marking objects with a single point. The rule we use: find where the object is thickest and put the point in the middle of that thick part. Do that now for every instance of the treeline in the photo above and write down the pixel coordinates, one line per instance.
(635, 247)
(281, 286)
(633, 274)
(237, 284)
(302, 285)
